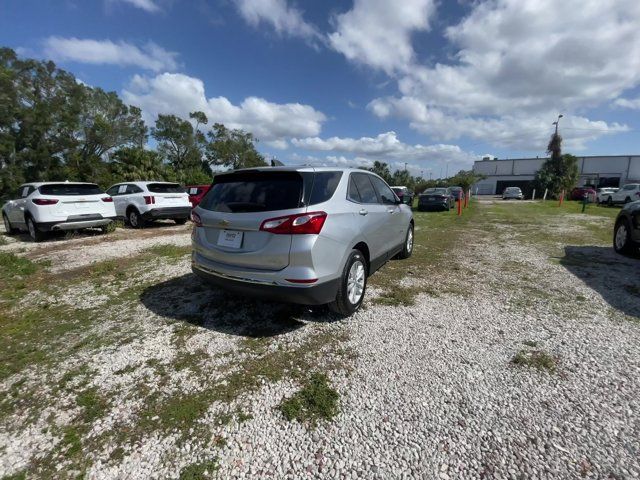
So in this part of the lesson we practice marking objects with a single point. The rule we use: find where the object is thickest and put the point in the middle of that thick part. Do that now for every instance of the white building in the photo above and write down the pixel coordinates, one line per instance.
(605, 171)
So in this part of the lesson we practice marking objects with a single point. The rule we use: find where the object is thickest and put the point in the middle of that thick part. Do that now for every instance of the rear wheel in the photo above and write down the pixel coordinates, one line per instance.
(35, 234)
(407, 250)
(7, 225)
(135, 219)
(180, 221)
(627, 200)
(622, 242)
(352, 286)
(610, 201)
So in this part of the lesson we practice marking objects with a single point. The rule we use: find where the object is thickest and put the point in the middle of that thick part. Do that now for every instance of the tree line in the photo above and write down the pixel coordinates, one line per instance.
(53, 127)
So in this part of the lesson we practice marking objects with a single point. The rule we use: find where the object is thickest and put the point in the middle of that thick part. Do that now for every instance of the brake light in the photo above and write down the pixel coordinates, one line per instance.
(45, 201)
(195, 218)
(300, 224)
(107, 199)
(149, 199)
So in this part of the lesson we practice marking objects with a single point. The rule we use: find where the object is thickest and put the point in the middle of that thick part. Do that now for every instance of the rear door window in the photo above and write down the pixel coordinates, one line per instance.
(365, 188)
(70, 189)
(113, 191)
(134, 189)
(165, 188)
(254, 192)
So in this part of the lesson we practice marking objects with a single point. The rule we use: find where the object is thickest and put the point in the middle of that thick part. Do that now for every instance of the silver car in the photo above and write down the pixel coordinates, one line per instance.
(299, 234)
(512, 193)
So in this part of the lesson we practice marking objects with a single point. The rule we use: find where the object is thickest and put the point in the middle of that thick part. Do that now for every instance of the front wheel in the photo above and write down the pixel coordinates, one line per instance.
(7, 225)
(407, 250)
(352, 286)
(135, 219)
(622, 242)
(35, 234)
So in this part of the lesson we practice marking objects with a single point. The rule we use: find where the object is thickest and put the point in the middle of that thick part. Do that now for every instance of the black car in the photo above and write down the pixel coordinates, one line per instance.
(436, 199)
(626, 233)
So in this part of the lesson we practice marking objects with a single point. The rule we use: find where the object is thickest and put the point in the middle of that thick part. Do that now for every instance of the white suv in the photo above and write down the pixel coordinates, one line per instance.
(43, 207)
(629, 193)
(138, 202)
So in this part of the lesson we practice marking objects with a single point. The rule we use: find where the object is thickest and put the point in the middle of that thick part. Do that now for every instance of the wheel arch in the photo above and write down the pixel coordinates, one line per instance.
(364, 248)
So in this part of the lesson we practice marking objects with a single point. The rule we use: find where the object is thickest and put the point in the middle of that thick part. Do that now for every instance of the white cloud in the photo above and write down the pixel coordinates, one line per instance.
(175, 93)
(285, 19)
(149, 56)
(519, 131)
(147, 5)
(632, 103)
(515, 67)
(377, 33)
(388, 148)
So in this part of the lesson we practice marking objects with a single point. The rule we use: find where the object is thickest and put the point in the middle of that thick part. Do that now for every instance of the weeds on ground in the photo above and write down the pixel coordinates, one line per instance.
(168, 251)
(397, 296)
(530, 343)
(200, 471)
(315, 401)
(537, 359)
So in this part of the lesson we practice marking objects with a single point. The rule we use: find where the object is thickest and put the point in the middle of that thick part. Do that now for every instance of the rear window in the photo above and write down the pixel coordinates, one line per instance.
(254, 192)
(70, 189)
(165, 188)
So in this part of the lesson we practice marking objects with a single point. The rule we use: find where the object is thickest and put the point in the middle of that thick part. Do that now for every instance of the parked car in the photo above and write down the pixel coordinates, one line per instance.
(578, 193)
(299, 234)
(42, 207)
(626, 233)
(603, 193)
(139, 202)
(436, 198)
(626, 194)
(404, 194)
(196, 192)
(457, 192)
(512, 193)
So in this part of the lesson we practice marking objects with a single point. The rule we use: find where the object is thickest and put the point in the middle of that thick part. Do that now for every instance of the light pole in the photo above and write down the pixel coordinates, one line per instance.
(557, 122)
(405, 166)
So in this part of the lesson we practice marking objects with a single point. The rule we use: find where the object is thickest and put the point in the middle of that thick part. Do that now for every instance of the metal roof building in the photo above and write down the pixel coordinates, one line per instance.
(601, 171)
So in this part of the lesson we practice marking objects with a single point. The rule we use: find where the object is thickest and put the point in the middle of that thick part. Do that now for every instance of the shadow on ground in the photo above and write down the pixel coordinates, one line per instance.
(189, 299)
(615, 277)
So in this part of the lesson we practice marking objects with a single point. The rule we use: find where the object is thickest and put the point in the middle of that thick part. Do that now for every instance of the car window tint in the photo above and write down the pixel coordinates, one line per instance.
(384, 192)
(254, 192)
(134, 189)
(165, 188)
(70, 189)
(324, 186)
(113, 191)
(353, 193)
(365, 188)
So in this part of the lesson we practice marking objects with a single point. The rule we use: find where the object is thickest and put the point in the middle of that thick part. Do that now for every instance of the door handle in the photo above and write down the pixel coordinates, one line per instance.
(363, 212)
(391, 211)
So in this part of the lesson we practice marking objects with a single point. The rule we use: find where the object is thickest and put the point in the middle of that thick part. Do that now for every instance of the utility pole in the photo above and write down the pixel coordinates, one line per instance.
(557, 122)
(405, 166)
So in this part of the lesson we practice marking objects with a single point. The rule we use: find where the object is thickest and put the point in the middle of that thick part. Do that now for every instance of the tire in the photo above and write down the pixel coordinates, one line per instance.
(135, 219)
(180, 221)
(407, 250)
(610, 202)
(622, 242)
(627, 200)
(347, 301)
(9, 230)
(35, 234)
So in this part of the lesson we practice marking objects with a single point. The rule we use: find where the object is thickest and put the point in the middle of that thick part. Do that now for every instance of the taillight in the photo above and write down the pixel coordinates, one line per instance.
(45, 201)
(107, 199)
(303, 223)
(149, 199)
(195, 218)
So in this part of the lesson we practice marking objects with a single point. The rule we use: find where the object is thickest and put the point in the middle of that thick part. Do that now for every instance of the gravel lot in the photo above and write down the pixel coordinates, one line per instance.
(426, 390)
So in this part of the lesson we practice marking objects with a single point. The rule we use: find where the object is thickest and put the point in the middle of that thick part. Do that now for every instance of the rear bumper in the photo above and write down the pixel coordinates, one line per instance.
(433, 205)
(305, 295)
(167, 213)
(76, 222)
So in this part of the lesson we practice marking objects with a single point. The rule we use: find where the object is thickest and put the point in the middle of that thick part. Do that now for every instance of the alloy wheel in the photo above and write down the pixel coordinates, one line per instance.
(621, 236)
(355, 282)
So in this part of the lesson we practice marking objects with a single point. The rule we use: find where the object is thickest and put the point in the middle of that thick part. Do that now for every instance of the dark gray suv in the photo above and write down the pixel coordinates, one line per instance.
(302, 235)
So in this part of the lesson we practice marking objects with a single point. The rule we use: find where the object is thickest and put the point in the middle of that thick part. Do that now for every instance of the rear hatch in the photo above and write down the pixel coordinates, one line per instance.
(75, 199)
(168, 195)
(234, 209)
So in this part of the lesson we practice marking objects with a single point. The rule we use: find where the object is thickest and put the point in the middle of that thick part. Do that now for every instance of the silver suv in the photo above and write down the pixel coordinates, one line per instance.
(302, 235)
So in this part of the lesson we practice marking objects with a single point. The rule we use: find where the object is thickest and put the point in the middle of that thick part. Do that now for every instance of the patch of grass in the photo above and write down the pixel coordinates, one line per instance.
(12, 265)
(397, 296)
(200, 471)
(93, 404)
(168, 251)
(125, 370)
(71, 444)
(537, 359)
(315, 401)
(3, 241)
(530, 343)
(16, 476)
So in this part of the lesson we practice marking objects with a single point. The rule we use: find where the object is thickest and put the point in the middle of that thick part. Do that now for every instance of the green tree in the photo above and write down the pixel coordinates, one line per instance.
(136, 163)
(559, 172)
(464, 179)
(233, 148)
(178, 142)
(382, 169)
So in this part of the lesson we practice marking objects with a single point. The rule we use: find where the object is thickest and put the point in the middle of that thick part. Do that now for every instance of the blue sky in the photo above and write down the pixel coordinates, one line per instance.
(430, 83)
